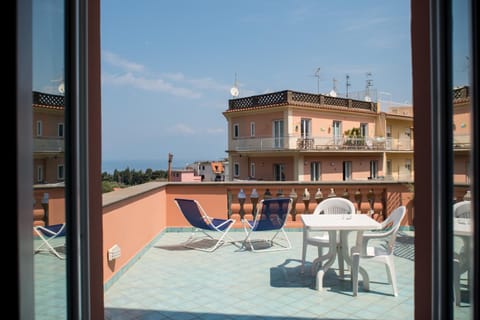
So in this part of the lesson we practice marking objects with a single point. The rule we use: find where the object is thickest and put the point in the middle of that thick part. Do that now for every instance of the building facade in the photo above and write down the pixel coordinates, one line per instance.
(48, 138)
(297, 136)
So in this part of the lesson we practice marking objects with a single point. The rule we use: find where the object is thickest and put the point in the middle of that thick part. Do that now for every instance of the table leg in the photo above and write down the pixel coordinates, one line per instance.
(332, 252)
(304, 249)
(354, 261)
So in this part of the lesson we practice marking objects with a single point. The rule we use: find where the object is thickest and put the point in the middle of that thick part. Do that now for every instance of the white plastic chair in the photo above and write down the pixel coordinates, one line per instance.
(462, 209)
(462, 214)
(382, 253)
(321, 240)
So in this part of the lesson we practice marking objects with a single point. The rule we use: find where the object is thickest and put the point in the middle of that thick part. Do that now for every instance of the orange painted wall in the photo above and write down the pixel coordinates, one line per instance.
(56, 205)
(132, 224)
(211, 196)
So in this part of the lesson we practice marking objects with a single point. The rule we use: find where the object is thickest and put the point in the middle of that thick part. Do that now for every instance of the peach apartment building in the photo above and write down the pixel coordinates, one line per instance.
(48, 141)
(462, 131)
(298, 136)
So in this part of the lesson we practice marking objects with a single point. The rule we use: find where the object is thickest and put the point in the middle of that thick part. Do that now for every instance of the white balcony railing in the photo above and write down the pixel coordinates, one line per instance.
(340, 143)
(48, 144)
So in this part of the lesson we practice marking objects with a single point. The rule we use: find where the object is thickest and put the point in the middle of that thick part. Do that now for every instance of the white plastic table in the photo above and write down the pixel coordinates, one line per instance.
(333, 223)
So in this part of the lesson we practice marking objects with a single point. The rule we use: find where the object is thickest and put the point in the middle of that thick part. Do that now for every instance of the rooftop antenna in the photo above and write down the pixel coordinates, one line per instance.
(317, 74)
(61, 84)
(368, 85)
(234, 90)
(347, 83)
(333, 93)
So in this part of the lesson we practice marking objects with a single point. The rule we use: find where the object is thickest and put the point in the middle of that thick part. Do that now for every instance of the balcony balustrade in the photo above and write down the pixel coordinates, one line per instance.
(48, 144)
(367, 200)
(150, 210)
(317, 143)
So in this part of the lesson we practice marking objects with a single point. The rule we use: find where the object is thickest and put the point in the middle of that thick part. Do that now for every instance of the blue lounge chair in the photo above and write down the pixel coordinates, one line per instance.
(272, 214)
(201, 221)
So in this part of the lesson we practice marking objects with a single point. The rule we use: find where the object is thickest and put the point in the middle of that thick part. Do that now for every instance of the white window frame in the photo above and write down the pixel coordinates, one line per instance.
(60, 129)
(39, 174)
(374, 169)
(337, 133)
(279, 172)
(347, 170)
(39, 128)
(408, 165)
(364, 129)
(278, 133)
(236, 169)
(61, 172)
(306, 128)
(315, 171)
(236, 130)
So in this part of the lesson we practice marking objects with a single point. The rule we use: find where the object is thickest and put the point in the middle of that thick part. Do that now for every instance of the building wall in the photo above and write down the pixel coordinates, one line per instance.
(132, 223)
(50, 120)
(297, 166)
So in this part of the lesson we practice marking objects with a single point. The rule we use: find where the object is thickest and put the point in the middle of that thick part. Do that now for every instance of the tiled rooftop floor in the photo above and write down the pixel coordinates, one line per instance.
(171, 282)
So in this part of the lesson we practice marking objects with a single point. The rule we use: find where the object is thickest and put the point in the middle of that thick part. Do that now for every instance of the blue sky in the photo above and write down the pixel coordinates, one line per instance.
(168, 66)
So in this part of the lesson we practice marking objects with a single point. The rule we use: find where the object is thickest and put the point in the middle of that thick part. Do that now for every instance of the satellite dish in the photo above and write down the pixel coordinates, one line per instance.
(333, 93)
(234, 92)
(368, 99)
(61, 87)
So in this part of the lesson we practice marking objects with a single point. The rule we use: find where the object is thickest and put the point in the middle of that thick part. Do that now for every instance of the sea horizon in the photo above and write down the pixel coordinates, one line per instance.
(110, 166)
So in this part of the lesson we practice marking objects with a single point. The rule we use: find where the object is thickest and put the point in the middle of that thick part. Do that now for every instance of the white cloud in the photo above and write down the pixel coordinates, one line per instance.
(124, 64)
(138, 76)
(148, 84)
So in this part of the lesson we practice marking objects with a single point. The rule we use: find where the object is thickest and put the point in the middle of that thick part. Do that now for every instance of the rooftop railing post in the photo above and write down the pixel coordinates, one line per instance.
(254, 201)
(45, 208)
(241, 199)
(306, 199)
(293, 195)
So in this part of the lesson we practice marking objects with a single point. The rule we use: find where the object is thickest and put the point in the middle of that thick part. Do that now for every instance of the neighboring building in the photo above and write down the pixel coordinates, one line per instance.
(184, 175)
(462, 131)
(210, 170)
(48, 140)
(298, 136)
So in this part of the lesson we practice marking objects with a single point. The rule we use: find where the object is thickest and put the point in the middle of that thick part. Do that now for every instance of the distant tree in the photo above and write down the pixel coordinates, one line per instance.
(129, 177)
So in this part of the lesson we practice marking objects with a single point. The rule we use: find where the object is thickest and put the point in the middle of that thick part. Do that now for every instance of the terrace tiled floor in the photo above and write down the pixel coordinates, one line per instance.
(171, 282)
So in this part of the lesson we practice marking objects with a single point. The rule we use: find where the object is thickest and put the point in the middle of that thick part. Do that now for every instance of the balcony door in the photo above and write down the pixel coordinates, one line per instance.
(337, 132)
(279, 172)
(347, 170)
(278, 134)
(306, 128)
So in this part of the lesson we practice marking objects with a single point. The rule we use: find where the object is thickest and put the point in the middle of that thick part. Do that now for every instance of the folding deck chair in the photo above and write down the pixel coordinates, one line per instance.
(201, 221)
(47, 234)
(269, 222)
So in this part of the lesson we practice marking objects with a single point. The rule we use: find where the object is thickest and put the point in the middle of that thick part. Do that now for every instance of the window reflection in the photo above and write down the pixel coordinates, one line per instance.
(48, 159)
(462, 137)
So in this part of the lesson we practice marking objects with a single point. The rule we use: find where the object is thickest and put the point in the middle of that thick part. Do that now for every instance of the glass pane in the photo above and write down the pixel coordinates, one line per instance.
(462, 137)
(48, 159)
